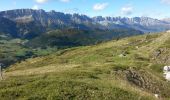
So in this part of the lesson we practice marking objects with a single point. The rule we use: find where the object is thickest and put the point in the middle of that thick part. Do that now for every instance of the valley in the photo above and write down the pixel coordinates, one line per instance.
(50, 55)
(17, 49)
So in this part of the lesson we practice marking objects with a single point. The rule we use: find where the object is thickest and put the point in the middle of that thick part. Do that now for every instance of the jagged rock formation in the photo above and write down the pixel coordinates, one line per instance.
(166, 19)
(144, 24)
(30, 23)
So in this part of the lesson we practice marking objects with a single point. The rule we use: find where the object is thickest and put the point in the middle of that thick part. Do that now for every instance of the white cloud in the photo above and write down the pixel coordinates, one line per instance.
(100, 6)
(44, 1)
(14, 3)
(36, 7)
(165, 1)
(65, 0)
(41, 1)
(127, 10)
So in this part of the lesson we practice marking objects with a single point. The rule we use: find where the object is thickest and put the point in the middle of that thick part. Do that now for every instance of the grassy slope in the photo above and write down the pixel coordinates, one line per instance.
(73, 38)
(92, 72)
(10, 49)
(14, 50)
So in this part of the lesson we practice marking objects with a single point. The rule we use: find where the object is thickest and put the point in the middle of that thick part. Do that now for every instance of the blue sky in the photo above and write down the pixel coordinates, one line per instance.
(125, 8)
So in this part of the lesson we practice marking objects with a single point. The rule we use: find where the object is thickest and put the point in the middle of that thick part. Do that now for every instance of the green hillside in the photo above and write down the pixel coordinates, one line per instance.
(72, 37)
(18, 49)
(126, 69)
(14, 50)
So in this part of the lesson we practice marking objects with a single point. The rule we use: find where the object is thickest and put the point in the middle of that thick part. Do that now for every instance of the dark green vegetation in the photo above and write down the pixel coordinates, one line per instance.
(125, 69)
(17, 49)
(73, 37)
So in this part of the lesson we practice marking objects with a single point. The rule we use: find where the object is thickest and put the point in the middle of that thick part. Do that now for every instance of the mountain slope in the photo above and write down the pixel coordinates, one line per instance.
(71, 37)
(15, 49)
(144, 24)
(7, 27)
(115, 70)
(28, 23)
(166, 20)
(31, 23)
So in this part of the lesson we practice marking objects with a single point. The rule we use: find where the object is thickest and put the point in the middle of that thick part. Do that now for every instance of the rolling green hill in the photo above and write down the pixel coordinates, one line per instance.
(73, 37)
(18, 49)
(14, 50)
(126, 69)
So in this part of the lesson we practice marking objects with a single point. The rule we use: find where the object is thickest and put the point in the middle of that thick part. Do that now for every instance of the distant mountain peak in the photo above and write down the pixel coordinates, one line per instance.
(29, 21)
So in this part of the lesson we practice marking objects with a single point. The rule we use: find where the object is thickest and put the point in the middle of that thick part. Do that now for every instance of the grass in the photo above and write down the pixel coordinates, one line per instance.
(95, 72)
(14, 50)
(50, 87)
(75, 84)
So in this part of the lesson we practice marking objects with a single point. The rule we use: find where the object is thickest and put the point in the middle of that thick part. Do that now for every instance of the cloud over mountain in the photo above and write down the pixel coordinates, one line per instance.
(65, 1)
(41, 1)
(100, 6)
(36, 7)
(127, 10)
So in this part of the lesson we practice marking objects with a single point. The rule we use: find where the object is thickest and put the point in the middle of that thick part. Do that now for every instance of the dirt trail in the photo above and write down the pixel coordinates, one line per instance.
(40, 70)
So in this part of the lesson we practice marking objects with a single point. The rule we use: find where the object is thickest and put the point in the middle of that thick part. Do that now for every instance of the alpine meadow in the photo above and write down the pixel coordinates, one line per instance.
(84, 50)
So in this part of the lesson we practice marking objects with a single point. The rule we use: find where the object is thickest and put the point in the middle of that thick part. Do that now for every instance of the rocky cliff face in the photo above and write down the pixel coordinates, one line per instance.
(5, 25)
(166, 20)
(30, 23)
(44, 18)
(144, 24)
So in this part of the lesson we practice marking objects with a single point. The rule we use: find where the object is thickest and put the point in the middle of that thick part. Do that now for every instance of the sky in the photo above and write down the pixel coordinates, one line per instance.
(125, 8)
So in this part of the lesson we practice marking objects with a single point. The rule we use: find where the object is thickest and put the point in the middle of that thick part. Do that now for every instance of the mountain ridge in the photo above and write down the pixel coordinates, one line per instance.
(30, 23)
